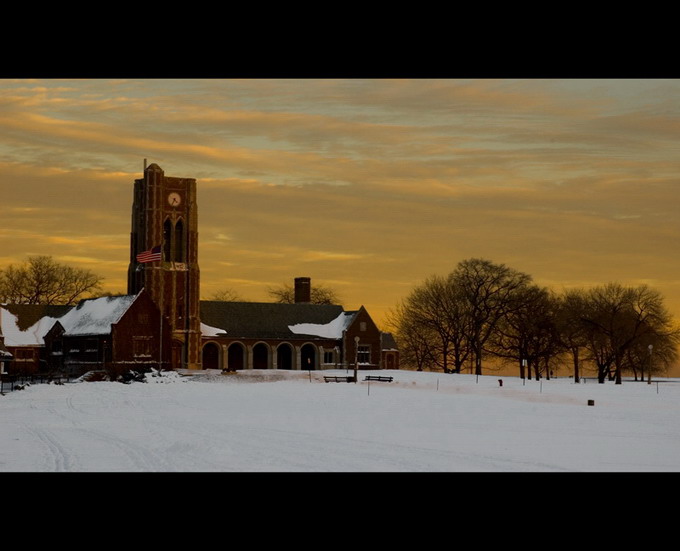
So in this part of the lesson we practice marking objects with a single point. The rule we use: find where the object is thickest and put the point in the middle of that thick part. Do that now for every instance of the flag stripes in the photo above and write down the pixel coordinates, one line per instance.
(152, 255)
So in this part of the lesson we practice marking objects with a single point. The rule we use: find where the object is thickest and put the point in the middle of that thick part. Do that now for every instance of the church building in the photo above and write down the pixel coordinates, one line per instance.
(162, 321)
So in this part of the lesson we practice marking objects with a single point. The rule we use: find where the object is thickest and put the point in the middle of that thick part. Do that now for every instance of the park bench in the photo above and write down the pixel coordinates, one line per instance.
(334, 379)
(378, 378)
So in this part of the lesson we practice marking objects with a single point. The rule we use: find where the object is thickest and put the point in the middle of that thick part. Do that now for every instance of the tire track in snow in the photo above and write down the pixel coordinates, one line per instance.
(105, 449)
(267, 449)
(59, 459)
(141, 458)
(120, 451)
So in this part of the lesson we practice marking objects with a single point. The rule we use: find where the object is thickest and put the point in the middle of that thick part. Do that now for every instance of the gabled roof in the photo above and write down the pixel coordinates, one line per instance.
(28, 315)
(268, 320)
(27, 324)
(95, 316)
(388, 342)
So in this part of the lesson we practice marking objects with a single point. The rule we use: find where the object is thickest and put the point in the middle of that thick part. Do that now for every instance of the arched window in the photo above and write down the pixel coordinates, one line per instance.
(167, 241)
(180, 255)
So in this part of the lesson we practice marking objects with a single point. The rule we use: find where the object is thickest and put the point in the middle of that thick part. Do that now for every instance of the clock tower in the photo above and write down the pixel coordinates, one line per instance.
(164, 218)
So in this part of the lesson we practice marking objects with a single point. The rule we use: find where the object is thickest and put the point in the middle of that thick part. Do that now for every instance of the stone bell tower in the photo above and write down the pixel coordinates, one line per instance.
(165, 222)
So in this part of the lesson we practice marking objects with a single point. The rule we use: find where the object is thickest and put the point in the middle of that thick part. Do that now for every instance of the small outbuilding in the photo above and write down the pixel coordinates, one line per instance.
(22, 331)
(113, 333)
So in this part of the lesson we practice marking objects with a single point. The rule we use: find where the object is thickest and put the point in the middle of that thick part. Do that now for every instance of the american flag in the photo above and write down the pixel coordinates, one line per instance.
(151, 255)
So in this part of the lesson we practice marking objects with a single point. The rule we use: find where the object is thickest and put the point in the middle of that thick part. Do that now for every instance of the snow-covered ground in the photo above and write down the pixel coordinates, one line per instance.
(280, 421)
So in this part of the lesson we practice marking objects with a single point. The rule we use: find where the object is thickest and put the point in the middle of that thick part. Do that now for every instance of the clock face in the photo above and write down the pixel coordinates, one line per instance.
(174, 199)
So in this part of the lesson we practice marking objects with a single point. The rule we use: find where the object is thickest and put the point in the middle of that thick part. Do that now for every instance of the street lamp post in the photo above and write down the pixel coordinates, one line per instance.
(356, 357)
(649, 368)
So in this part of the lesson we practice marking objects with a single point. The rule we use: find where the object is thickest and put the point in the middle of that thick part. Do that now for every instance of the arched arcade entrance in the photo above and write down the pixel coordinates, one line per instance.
(284, 356)
(308, 357)
(236, 356)
(211, 356)
(260, 356)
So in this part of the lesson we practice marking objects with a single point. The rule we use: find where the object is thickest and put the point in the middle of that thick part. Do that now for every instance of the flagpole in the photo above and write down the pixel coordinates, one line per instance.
(155, 254)
(160, 352)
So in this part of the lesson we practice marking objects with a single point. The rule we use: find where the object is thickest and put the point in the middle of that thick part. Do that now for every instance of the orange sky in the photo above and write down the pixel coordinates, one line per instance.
(367, 186)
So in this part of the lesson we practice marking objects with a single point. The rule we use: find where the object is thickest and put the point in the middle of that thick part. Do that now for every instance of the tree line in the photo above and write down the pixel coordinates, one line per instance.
(42, 280)
(483, 310)
(283, 294)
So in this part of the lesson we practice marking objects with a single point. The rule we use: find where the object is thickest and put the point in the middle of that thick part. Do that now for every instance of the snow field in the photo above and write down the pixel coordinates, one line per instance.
(264, 421)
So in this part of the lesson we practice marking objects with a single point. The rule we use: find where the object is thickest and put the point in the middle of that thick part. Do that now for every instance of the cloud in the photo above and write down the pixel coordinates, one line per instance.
(375, 182)
(313, 256)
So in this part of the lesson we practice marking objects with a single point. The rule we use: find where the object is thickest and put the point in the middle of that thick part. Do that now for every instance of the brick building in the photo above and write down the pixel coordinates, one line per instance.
(22, 330)
(250, 335)
(113, 333)
(165, 217)
(164, 277)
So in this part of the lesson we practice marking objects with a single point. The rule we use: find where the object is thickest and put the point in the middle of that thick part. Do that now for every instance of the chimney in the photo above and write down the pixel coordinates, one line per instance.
(303, 289)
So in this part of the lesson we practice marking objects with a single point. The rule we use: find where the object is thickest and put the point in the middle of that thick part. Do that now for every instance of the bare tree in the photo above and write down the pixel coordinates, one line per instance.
(414, 339)
(488, 289)
(527, 332)
(569, 318)
(483, 308)
(227, 295)
(446, 321)
(654, 353)
(618, 319)
(42, 280)
(438, 309)
(320, 294)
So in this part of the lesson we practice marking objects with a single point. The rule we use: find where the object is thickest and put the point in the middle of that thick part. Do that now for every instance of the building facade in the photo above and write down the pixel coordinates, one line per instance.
(162, 322)
(22, 329)
(112, 333)
(299, 336)
(165, 216)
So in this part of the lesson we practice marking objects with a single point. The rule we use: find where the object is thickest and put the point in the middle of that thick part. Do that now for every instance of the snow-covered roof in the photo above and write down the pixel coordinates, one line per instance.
(33, 336)
(95, 316)
(262, 320)
(208, 331)
(331, 330)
